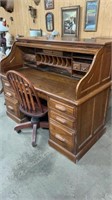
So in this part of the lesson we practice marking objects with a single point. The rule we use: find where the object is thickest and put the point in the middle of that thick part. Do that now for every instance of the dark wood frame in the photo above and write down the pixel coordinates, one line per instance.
(69, 10)
(52, 23)
(47, 4)
(8, 5)
(95, 16)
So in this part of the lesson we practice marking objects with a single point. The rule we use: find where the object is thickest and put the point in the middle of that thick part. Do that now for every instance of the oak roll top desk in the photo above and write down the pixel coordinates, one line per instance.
(73, 76)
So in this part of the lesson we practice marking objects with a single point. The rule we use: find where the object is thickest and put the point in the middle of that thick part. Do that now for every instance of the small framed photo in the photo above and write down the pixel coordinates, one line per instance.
(91, 15)
(49, 4)
(70, 21)
(49, 21)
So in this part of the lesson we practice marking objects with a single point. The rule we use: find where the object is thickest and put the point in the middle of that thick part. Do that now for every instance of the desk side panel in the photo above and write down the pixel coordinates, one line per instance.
(12, 61)
(98, 74)
(91, 121)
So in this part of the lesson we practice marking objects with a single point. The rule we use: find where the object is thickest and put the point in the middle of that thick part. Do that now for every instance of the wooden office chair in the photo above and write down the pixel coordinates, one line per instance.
(30, 103)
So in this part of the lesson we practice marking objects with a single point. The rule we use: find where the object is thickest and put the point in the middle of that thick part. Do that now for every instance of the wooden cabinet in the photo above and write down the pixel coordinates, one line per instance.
(62, 128)
(12, 104)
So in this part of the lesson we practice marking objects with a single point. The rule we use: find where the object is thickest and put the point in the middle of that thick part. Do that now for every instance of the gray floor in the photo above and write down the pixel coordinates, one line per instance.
(42, 173)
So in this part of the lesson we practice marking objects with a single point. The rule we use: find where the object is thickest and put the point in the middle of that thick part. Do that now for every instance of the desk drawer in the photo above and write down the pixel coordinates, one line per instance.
(29, 57)
(63, 137)
(81, 66)
(69, 110)
(13, 107)
(9, 93)
(69, 122)
(6, 84)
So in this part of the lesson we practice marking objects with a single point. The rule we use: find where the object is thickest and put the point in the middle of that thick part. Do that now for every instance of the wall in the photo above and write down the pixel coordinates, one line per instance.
(23, 21)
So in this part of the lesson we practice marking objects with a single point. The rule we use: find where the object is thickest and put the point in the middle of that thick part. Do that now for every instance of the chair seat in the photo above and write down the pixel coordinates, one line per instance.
(37, 113)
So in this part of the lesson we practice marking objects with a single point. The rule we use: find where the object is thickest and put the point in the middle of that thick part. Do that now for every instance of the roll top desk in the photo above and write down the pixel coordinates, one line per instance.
(74, 78)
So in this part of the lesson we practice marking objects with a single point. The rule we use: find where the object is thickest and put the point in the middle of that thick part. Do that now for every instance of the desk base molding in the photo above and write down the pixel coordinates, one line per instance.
(16, 119)
(90, 143)
(63, 151)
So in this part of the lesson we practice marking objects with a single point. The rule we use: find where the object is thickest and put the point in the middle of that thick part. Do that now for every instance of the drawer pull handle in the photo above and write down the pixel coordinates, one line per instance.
(60, 107)
(59, 119)
(57, 136)
(11, 108)
(7, 84)
(9, 94)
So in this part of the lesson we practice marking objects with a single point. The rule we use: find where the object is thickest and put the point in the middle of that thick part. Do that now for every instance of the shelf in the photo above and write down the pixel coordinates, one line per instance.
(69, 64)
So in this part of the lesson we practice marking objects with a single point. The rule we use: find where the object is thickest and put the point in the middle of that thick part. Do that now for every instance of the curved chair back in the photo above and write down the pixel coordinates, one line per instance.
(25, 92)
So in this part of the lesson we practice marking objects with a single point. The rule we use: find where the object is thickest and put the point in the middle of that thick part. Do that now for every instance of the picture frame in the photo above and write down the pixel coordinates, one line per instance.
(35, 32)
(49, 21)
(91, 15)
(49, 4)
(70, 21)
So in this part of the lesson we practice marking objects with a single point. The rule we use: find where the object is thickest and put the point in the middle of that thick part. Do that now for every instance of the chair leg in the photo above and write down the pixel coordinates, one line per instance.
(22, 126)
(34, 135)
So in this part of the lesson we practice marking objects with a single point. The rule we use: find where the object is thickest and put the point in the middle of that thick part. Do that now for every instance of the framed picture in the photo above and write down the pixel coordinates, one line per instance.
(91, 15)
(35, 32)
(49, 4)
(70, 21)
(49, 21)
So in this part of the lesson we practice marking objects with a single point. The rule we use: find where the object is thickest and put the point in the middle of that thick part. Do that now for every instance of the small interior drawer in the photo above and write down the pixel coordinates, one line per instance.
(76, 66)
(29, 57)
(69, 122)
(63, 108)
(85, 67)
(81, 66)
(61, 136)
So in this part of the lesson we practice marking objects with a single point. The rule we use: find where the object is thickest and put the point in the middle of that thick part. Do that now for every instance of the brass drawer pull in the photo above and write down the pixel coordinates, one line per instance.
(60, 107)
(11, 108)
(9, 94)
(59, 119)
(7, 84)
(57, 136)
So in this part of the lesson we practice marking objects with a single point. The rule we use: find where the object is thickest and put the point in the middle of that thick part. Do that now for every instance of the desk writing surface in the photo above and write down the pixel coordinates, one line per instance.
(51, 84)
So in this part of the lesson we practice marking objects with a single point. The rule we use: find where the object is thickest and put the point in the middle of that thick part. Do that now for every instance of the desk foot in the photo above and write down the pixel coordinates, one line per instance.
(63, 151)
(85, 148)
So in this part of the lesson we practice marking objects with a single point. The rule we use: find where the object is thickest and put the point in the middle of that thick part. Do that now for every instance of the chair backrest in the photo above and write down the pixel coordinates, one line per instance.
(25, 92)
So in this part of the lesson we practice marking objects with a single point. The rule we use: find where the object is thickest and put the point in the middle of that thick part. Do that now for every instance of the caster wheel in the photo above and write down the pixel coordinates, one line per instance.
(19, 131)
(34, 144)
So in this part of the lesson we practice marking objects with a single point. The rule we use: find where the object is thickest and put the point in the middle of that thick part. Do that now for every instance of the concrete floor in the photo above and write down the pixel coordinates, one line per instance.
(42, 173)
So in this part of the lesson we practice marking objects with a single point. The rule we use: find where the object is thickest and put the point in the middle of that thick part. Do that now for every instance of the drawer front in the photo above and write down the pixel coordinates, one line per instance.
(9, 93)
(69, 110)
(62, 119)
(7, 85)
(61, 136)
(29, 57)
(76, 66)
(85, 67)
(13, 107)
(81, 66)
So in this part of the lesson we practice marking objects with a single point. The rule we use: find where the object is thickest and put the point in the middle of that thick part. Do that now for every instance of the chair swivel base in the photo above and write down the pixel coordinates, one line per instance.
(35, 124)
